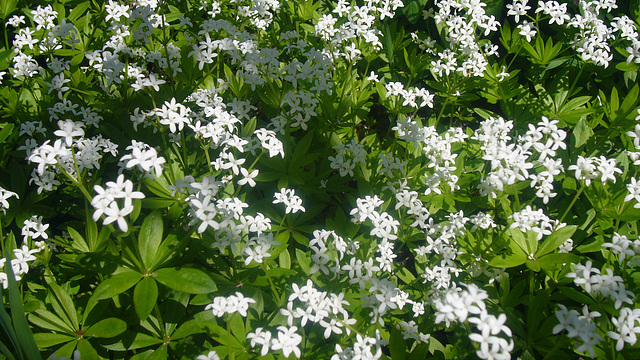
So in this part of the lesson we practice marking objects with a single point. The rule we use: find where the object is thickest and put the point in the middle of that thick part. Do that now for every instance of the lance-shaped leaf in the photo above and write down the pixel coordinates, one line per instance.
(145, 296)
(106, 328)
(150, 237)
(556, 239)
(187, 280)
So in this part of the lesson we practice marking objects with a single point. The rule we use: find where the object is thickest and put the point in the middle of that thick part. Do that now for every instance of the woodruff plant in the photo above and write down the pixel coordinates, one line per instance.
(332, 179)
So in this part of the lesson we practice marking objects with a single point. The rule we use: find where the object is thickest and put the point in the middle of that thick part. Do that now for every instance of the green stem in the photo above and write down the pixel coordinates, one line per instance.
(279, 296)
(446, 102)
(531, 298)
(518, 207)
(575, 198)
(75, 182)
(1, 239)
(206, 154)
(575, 81)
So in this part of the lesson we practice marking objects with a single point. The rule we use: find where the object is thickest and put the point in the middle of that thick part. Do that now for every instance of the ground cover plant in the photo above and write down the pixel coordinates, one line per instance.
(375, 179)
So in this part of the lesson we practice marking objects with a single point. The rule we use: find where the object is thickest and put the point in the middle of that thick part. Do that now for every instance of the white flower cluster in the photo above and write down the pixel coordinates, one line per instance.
(326, 246)
(288, 197)
(72, 152)
(410, 97)
(231, 304)
(603, 283)
(437, 148)
(34, 228)
(225, 216)
(296, 109)
(608, 285)
(592, 168)
(144, 157)
(511, 161)
(106, 202)
(627, 327)
(365, 348)
(347, 157)
(461, 19)
(174, 115)
(19, 265)
(535, 220)
(354, 24)
(458, 305)
(592, 36)
(311, 306)
(579, 326)
(623, 246)
(4, 196)
(288, 340)
(84, 153)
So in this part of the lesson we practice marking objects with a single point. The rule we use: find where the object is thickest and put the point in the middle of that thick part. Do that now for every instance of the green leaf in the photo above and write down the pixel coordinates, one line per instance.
(91, 231)
(132, 341)
(6, 352)
(145, 296)
(405, 275)
(106, 328)
(413, 9)
(48, 320)
(556, 239)
(397, 345)
(300, 151)
(188, 280)
(220, 334)
(20, 326)
(419, 352)
(150, 237)
(78, 10)
(249, 127)
(62, 304)
(157, 203)
(157, 188)
(7, 129)
(594, 246)
(634, 10)
(285, 259)
(508, 261)
(576, 295)
(159, 353)
(6, 8)
(304, 261)
(87, 351)
(78, 240)
(517, 241)
(66, 350)
(235, 324)
(550, 261)
(111, 287)
(188, 328)
(581, 133)
(629, 102)
(435, 345)
(46, 340)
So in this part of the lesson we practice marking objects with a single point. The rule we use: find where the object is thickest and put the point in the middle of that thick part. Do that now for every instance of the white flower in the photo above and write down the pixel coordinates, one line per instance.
(4, 196)
(287, 341)
(228, 305)
(114, 213)
(212, 355)
(260, 337)
(292, 202)
(528, 30)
